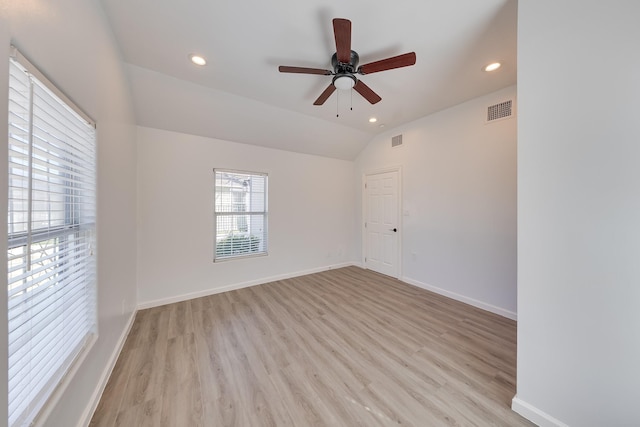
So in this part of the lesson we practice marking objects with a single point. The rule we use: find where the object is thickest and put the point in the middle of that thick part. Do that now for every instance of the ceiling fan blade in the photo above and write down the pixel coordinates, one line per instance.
(325, 95)
(303, 70)
(399, 61)
(342, 33)
(367, 93)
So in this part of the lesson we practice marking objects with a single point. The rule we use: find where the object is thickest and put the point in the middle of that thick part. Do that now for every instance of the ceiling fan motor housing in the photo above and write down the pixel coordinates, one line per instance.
(342, 68)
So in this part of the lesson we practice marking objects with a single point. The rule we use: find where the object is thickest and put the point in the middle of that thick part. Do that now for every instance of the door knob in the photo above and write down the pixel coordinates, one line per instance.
(393, 229)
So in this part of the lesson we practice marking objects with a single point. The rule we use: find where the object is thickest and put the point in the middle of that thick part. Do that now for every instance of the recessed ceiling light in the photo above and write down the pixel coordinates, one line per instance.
(382, 125)
(197, 59)
(373, 120)
(492, 67)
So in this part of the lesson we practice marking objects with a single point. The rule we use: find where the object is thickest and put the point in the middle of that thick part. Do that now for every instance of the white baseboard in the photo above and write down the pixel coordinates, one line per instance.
(233, 287)
(104, 378)
(534, 414)
(474, 302)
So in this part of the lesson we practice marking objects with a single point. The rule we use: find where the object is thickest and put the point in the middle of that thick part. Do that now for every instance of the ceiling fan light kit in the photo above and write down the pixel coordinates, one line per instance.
(345, 66)
(344, 81)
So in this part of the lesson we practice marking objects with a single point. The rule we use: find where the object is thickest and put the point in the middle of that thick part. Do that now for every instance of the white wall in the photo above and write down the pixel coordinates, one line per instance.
(459, 188)
(579, 212)
(70, 41)
(311, 211)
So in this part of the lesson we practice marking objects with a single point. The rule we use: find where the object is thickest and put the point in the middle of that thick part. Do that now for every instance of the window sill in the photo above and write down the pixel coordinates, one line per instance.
(236, 257)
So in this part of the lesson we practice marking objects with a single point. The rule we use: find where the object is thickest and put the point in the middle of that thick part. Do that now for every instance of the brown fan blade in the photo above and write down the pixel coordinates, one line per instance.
(389, 64)
(367, 93)
(303, 70)
(325, 95)
(342, 33)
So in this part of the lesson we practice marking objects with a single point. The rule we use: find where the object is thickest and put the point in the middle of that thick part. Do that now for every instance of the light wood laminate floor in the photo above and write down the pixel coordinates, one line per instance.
(346, 347)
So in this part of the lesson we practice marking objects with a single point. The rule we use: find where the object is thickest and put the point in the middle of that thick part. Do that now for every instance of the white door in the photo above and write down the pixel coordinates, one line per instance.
(381, 223)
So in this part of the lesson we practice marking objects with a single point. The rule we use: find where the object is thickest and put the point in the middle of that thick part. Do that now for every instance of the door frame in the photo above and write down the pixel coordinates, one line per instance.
(363, 216)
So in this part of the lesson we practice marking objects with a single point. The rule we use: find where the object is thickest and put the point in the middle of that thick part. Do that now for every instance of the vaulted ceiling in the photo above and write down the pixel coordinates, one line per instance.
(240, 95)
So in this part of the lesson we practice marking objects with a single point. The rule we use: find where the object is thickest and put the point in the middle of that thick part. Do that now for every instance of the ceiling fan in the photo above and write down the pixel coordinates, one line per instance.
(345, 66)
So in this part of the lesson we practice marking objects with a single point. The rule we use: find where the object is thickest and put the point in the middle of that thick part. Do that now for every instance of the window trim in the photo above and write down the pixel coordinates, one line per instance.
(264, 213)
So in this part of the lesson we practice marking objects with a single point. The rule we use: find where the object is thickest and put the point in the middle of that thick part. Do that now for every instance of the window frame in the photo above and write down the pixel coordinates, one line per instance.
(246, 213)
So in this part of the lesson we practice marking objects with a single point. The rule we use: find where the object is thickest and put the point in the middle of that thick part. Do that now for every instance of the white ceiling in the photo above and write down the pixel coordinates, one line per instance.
(240, 95)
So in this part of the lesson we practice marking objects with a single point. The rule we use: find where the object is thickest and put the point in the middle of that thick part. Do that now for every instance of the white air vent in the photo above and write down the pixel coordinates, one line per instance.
(499, 111)
(396, 141)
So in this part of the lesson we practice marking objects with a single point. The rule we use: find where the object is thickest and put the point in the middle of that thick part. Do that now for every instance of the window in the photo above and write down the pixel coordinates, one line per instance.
(51, 230)
(240, 214)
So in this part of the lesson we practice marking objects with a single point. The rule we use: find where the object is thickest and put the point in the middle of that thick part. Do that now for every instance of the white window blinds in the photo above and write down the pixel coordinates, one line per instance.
(240, 214)
(51, 230)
